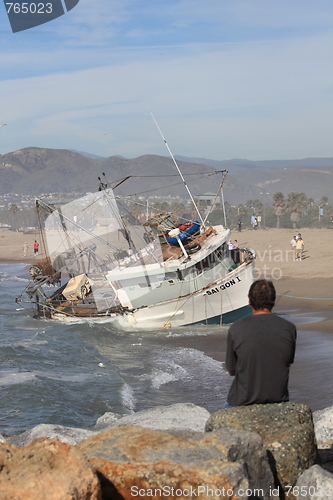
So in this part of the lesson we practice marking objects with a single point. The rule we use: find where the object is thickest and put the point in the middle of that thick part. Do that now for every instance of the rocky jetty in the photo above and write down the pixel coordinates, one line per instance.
(178, 451)
(287, 432)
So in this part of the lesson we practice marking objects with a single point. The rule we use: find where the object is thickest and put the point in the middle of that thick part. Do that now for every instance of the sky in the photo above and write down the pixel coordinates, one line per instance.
(223, 78)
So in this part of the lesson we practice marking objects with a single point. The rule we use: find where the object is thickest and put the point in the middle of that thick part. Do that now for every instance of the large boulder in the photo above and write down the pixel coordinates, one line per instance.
(314, 484)
(180, 416)
(135, 461)
(323, 426)
(286, 430)
(46, 469)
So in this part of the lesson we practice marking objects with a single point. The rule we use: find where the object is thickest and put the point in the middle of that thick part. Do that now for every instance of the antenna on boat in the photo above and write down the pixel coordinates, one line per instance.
(220, 188)
(181, 175)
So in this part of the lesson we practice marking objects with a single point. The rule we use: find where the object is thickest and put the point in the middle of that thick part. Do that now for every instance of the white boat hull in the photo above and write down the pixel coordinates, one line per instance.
(222, 302)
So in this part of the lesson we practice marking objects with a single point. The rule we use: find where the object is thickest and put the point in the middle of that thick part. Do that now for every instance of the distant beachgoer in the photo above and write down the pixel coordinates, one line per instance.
(255, 225)
(293, 245)
(253, 219)
(36, 246)
(239, 223)
(25, 249)
(299, 248)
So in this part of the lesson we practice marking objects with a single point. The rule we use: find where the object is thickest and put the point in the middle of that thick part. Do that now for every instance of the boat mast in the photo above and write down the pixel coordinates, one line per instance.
(181, 175)
(224, 174)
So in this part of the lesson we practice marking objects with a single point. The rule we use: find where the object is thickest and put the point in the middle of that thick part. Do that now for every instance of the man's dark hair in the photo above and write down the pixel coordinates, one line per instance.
(262, 295)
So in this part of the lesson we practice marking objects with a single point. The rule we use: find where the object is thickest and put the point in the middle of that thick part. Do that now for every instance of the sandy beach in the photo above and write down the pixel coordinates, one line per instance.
(305, 284)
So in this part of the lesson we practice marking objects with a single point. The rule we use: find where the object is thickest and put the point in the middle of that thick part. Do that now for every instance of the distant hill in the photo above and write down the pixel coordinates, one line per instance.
(242, 164)
(88, 155)
(34, 171)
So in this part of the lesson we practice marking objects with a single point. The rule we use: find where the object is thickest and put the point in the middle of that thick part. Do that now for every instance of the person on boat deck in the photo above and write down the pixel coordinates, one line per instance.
(230, 245)
(260, 350)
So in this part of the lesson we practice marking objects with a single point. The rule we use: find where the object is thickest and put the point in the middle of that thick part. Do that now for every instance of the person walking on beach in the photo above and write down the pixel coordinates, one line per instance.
(260, 349)
(25, 249)
(293, 246)
(253, 221)
(239, 224)
(299, 248)
(36, 247)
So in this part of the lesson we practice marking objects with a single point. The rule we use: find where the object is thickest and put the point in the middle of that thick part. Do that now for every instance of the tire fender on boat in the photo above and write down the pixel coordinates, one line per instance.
(193, 249)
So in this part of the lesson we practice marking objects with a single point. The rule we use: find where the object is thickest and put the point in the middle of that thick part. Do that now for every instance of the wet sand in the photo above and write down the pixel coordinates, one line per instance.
(11, 246)
(300, 285)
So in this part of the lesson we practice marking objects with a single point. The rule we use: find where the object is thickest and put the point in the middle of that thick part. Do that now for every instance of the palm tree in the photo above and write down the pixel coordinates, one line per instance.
(279, 205)
(296, 205)
(160, 206)
(137, 211)
(13, 208)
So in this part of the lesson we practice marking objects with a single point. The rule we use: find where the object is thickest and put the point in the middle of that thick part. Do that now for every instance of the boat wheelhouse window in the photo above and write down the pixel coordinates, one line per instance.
(212, 259)
(221, 253)
(206, 263)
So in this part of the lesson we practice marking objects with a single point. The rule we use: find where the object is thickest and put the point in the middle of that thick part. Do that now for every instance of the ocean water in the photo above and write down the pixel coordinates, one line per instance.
(72, 374)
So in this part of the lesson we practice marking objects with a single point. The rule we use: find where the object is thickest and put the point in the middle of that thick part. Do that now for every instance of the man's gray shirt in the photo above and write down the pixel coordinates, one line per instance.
(260, 349)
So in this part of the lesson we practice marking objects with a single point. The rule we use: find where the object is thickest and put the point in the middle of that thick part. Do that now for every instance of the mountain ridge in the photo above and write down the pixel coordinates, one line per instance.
(36, 171)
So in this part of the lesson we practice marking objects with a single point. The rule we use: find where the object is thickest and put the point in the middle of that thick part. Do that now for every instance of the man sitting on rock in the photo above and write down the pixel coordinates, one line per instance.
(260, 349)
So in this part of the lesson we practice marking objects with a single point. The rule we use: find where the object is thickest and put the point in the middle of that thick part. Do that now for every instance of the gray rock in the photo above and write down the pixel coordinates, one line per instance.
(69, 435)
(180, 416)
(323, 424)
(106, 421)
(286, 430)
(315, 484)
(2, 438)
(128, 455)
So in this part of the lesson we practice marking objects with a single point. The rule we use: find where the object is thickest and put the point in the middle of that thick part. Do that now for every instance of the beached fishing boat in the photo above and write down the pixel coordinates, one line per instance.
(164, 273)
(133, 275)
